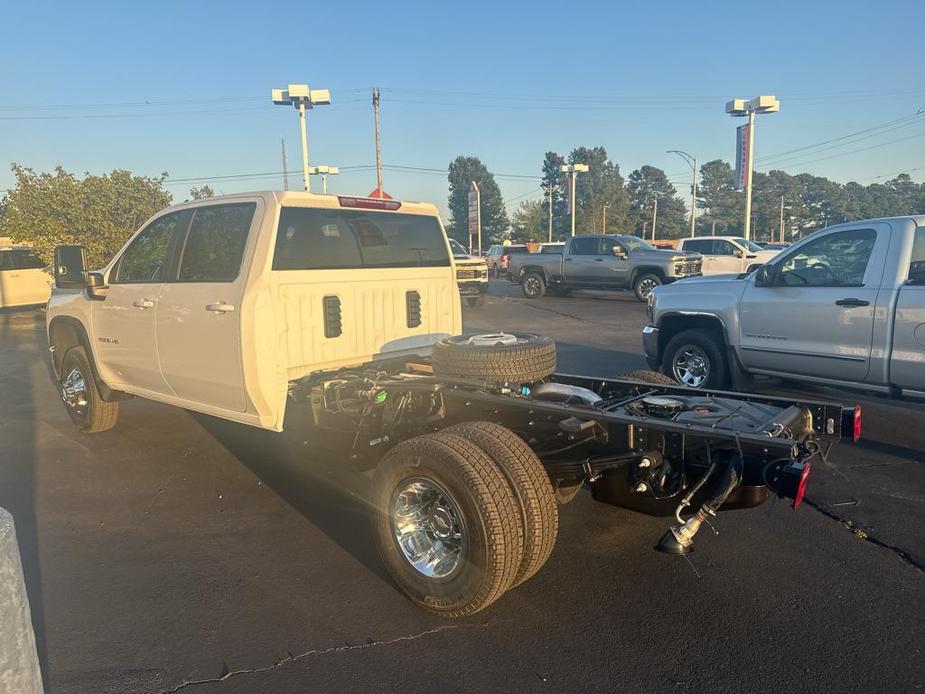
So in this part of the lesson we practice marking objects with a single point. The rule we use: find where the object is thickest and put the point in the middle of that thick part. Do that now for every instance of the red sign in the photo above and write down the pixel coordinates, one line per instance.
(743, 163)
(379, 193)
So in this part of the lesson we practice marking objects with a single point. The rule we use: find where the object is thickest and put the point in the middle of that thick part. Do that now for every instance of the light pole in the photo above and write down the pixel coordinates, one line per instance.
(604, 217)
(691, 162)
(738, 108)
(324, 172)
(302, 98)
(549, 191)
(573, 170)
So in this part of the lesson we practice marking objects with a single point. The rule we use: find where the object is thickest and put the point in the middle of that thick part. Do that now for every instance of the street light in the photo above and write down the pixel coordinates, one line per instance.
(324, 172)
(742, 107)
(573, 170)
(692, 162)
(301, 97)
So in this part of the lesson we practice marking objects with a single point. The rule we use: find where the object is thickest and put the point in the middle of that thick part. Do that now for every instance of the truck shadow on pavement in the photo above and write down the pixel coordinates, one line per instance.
(316, 483)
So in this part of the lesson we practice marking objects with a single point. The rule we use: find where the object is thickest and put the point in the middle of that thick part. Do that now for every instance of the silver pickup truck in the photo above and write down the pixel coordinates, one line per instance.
(845, 306)
(602, 262)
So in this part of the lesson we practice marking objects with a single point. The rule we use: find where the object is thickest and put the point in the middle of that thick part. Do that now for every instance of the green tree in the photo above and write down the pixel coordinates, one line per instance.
(462, 171)
(201, 193)
(718, 198)
(558, 181)
(530, 222)
(601, 185)
(645, 185)
(98, 212)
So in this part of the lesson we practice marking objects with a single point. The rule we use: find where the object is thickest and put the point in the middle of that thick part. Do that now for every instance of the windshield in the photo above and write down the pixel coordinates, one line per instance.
(748, 245)
(634, 243)
(457, 248)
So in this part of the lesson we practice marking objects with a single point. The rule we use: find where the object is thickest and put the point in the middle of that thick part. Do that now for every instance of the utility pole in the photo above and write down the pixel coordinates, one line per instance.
(604, 217)
(378, 141)
(654, 217)
(549, 190)
(713, 230)
(782, 219)
(573, 170)
(285, 171)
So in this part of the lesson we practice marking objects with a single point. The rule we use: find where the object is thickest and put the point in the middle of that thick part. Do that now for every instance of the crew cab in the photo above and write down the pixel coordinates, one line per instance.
(602, 262)
(725, 254)
(471, 274)
(23, 279)
(339, 317)
(844, 306)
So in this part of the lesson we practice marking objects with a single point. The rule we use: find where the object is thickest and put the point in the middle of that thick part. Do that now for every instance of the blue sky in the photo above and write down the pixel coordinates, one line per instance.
(504, 82)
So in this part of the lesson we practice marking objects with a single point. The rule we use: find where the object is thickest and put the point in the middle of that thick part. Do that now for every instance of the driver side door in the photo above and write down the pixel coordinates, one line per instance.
(817, 317)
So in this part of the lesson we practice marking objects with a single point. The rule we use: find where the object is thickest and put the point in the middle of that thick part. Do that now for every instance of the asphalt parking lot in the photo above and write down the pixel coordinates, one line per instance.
(181, 553)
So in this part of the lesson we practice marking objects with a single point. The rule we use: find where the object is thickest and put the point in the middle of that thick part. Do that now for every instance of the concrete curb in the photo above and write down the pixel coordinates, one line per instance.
(19, 662)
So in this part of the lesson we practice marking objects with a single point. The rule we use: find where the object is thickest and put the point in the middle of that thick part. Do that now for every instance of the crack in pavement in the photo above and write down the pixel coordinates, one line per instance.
(862, 534)
(315, 652)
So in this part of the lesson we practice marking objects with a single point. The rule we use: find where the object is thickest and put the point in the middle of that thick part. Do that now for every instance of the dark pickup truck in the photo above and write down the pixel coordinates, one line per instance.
(602, 262)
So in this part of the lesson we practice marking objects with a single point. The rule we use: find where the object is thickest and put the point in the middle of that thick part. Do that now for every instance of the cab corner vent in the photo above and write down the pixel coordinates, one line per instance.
(413, 308)
(333, 325)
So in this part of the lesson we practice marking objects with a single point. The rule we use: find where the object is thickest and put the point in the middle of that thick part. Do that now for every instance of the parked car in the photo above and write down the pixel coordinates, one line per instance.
(339, 316)
(24, 281)
(471, 274)
(726, 254)
(602, 262)
(845, 306)
(499, 257)
(552, 247)
(773, 246)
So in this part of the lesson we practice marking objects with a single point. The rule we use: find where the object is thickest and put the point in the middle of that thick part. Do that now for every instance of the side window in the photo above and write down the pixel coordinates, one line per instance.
(702, 246)
(917, 265)
(6, 261)
(25, 260)
(835, 260)
(215, 243)
(146, 258)
(723, 247)
(608, 246)
(584, 245)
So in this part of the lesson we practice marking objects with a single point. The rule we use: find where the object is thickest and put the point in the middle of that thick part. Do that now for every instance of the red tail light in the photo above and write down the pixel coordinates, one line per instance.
(368, 203)
(790, 481)
(856, 432)
(801, 486)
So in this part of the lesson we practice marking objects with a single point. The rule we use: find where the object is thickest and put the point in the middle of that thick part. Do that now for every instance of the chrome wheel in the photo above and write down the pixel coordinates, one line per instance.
(74, 392)
(645, 287)
(531, 286)
(691, 366)
(428, 528)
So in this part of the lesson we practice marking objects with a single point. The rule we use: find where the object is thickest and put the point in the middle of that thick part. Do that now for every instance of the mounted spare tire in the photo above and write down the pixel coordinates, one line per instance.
(495, 357)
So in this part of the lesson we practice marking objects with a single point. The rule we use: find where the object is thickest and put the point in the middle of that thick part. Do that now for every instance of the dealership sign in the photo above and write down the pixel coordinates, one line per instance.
(743, 164)
(475, 216)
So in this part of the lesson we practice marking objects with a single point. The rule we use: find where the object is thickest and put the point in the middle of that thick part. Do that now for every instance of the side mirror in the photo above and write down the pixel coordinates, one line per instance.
(917, 272)
(619, 252)
(765, 276)
(738, 254)
(71, 267)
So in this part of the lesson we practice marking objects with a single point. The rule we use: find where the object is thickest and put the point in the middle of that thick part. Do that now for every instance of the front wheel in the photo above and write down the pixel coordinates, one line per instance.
(644, 284)
(695, 358)
(533, 286)
(85, 406)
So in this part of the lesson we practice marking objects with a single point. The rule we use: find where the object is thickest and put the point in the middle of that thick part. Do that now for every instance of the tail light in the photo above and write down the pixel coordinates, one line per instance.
(856, 429)
(791, 482)
(368, 203)
(851, 423)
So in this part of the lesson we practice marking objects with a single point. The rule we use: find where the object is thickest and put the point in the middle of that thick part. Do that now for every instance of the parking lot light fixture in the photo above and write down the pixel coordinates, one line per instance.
(573, 170)
(738, 108)
(323, 171)
(691, 162)
(302, 98)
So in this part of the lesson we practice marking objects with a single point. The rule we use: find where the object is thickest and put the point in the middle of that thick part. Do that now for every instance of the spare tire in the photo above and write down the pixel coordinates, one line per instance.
(495, 357)
(655, 377)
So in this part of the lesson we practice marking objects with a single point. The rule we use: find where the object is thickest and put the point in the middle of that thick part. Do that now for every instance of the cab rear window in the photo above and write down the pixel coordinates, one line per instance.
(328, 239)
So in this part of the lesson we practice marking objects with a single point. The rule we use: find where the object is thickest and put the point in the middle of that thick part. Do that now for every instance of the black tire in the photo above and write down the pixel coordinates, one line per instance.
(700, 344)
(86, 408)
(532, 358)
(475, 301)
(533, 285)
(488, 517)
(644, 283)
(647, 376)
(530, 483)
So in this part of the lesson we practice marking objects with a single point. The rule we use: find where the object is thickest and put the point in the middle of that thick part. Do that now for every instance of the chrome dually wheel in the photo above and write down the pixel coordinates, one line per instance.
(428, 528)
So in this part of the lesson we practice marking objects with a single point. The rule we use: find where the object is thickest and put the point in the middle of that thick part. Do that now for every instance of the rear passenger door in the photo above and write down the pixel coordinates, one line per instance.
(199, 308)
(580, 265)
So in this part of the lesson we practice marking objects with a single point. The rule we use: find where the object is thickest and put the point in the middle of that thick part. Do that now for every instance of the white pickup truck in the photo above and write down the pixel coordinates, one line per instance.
(341, 316)
(726, 254)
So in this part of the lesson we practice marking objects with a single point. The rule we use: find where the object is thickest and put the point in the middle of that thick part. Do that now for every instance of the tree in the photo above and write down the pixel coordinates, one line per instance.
(529, 222)
(462, 171)
(556, 180)
(202, 193)
(718, 197)
(645, 185)
(98, 212)
(601, 185)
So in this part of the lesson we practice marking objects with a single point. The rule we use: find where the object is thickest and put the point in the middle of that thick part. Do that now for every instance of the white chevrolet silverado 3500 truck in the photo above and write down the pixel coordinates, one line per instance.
(844, 306)
(341, 316)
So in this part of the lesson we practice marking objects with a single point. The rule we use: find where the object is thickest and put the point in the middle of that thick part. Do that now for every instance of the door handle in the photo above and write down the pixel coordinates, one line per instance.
(568, 260)
(143, 303)
(852, 302)
(598, 260)
(220, 307)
